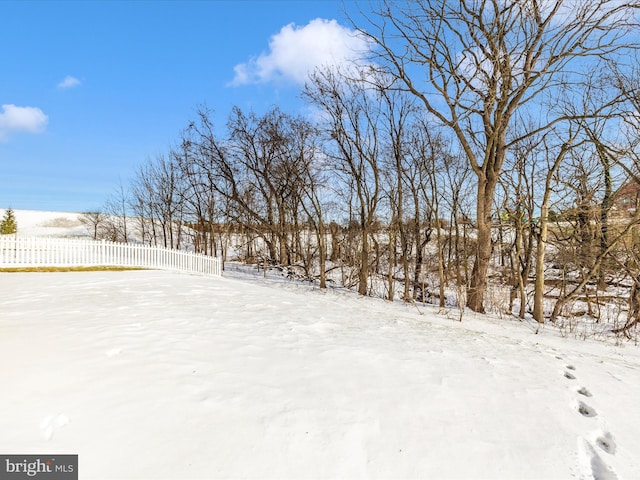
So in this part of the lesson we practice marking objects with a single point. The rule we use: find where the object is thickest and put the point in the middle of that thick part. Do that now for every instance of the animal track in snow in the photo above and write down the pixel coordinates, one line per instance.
(571, 367)
(570, 376)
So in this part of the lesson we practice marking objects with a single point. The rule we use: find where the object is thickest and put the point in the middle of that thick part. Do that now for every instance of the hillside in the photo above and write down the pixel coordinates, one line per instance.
(36, 223)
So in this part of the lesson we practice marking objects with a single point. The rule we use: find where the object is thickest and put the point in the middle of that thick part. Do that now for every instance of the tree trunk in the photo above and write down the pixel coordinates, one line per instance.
(363, 271)
(519, 270)
(478, 283)
(607, 201)
(322, 252)
(538, 294)
(392, 259)
(441, 279)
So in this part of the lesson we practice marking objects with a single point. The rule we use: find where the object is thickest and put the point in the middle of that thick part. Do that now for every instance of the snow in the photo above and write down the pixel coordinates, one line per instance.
(149, 374)
(35, 223)
(159, 375)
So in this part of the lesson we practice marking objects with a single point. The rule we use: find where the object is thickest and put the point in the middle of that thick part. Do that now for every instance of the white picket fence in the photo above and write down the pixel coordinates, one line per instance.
(50, 252)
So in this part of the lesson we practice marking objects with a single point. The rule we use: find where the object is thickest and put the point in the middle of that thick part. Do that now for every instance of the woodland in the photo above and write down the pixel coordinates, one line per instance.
(483, 155)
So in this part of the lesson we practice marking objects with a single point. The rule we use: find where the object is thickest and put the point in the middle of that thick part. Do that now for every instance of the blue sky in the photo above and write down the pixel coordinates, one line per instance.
(89, 90)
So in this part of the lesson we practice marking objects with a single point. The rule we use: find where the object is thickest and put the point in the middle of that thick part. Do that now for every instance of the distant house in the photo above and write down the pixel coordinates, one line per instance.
(625, 199)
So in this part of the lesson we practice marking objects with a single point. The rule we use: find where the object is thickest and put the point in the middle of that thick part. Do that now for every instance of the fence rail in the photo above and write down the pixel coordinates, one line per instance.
(51, 252)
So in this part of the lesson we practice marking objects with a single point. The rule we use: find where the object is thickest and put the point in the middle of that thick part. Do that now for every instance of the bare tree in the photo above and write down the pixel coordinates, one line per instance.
(261, 176)
(352, 120)
(117, 210)
(312, 181)
(518, 216)
(396, 113)
(553, 158)
(453, 183)
(427, 157)
(143, 204)
(474, 64)
(202, 204)
(94, 221)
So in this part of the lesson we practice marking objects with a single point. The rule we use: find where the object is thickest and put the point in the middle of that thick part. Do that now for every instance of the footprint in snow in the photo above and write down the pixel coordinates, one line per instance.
(585, 410)
(583, 391)
(607, 443)
(597, 467)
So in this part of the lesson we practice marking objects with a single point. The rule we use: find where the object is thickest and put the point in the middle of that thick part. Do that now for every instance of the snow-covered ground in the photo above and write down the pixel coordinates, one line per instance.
(160, 375)
(155, 375)
(35, 223)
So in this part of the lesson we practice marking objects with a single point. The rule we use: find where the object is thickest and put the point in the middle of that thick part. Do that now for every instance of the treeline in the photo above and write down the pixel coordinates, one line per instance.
(486, 147)
(379, 210)
(376, 197)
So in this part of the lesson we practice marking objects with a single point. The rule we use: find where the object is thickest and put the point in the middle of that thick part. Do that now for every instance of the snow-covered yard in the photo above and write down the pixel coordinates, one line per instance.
(151, 374)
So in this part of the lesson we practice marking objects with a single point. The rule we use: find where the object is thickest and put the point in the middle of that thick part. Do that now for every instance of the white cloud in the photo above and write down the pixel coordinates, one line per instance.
(69, 82)
(296, 51)
(21, 119)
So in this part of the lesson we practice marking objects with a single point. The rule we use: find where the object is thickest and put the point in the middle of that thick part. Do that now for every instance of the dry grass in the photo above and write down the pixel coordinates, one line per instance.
(93, 268)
